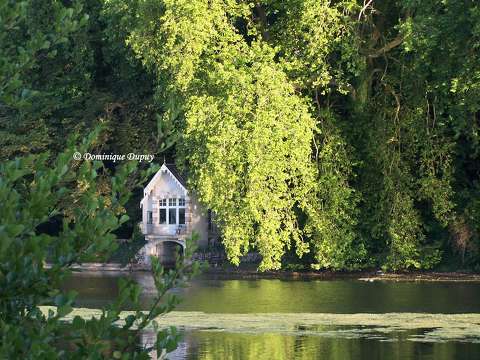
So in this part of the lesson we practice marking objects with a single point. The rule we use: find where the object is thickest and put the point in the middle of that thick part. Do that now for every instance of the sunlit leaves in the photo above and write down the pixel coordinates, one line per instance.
(247, 135)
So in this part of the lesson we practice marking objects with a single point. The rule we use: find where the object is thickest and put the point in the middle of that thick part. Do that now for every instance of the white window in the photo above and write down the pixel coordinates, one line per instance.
(172, 212)
(162, 212)
(149, 217)
(172, 216)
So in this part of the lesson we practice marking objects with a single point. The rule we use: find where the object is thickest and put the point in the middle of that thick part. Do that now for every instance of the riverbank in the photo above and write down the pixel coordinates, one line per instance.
(249, 271)
(373, 275)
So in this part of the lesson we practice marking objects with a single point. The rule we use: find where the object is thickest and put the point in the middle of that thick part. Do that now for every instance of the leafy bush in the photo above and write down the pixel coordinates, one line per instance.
(32, 191)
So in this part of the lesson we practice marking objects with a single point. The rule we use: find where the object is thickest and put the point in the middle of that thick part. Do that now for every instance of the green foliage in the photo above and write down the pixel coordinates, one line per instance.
(246, 135)
(316, 43)
(33, 192)
(36, 40)
(64, 68)
(421, 146)
(390, 97)
(347, 130)
(128, 251)
(332, 221)
(254, 169)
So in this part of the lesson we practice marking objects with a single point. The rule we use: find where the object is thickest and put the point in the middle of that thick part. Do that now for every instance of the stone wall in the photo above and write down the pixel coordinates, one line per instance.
(219, 257)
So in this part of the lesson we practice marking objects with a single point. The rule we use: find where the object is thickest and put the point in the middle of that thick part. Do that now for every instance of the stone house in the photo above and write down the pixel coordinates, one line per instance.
(170, 213)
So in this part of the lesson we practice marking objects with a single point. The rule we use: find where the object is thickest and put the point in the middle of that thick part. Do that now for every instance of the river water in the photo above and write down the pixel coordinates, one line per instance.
(312, 319)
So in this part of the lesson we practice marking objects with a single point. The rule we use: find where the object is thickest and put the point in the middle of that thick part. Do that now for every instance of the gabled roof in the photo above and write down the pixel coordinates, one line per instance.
(174, 170)
(170, 169)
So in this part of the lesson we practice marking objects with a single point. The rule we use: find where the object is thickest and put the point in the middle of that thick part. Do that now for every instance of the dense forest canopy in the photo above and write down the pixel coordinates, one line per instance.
(338, 134)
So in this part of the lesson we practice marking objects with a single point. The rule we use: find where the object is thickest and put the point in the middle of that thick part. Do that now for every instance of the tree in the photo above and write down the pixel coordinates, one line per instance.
(32, 193)
(359, 120)
(415, 128)
(36, 190)
(246, 134)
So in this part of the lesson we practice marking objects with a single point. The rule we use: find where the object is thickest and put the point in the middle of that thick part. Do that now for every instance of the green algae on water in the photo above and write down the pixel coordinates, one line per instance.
(431, 327)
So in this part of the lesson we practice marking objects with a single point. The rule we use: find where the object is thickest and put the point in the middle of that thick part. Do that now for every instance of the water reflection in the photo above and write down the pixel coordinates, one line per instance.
(224, 346)
(310, 296)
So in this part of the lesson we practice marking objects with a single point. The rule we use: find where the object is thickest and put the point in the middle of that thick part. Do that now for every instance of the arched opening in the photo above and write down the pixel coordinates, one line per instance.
(167, 252)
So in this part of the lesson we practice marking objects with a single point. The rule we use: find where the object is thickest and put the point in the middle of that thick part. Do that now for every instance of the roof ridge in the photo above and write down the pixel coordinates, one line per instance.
(172, 167)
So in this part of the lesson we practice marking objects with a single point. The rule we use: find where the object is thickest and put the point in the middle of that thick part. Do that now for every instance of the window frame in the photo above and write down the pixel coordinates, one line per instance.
(162, 205)
(182, 206)
(172, 210)
(184, 216)
(169, 204)
(164, 210)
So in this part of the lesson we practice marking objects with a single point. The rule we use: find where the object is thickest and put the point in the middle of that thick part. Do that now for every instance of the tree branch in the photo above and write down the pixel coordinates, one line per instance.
(365, 6)
(392, 44)
(263, 21)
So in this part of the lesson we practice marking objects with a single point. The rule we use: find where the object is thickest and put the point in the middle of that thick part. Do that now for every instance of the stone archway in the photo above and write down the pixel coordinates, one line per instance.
(167, 251)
